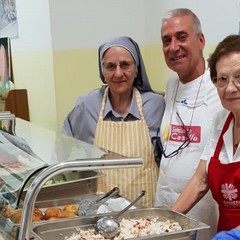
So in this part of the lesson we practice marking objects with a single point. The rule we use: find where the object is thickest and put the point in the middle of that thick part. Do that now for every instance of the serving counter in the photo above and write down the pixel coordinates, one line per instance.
(37, 165)
(42, 172)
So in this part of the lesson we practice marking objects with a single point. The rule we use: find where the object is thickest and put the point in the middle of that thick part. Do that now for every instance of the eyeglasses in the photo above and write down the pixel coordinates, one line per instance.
(181, 147)
(223, 81)
(124, 65)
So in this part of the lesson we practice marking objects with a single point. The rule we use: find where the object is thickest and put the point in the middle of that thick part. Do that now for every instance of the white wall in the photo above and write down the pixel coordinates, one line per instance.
(32, 60)
(33, 25)
(218, 17)
(88, 23)
(66, 27)
(91, 22)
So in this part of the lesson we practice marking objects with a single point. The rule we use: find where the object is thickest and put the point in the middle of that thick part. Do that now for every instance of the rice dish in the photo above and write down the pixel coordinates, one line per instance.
(131, 228)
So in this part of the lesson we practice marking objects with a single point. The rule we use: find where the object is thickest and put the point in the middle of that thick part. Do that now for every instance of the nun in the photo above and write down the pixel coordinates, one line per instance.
(122, 116)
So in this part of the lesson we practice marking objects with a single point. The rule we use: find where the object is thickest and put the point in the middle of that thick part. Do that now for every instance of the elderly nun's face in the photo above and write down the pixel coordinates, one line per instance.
(119, 70)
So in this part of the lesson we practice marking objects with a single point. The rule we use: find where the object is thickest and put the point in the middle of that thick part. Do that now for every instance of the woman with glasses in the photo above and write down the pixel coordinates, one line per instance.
(121, 116)
(219, 167)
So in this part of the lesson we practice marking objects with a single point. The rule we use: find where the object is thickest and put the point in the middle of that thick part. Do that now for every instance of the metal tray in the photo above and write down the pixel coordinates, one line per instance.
(60, 229)
(69, 184)
(43, 205)
(66, 185)
(9, 230)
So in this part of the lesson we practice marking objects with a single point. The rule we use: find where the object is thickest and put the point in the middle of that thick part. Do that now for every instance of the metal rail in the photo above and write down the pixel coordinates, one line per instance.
(46, 174)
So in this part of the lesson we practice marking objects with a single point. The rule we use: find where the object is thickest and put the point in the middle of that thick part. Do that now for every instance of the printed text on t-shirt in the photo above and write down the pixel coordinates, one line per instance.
(179, 133)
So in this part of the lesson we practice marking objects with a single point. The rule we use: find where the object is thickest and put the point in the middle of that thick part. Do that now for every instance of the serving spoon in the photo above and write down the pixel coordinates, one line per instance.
(109, 226)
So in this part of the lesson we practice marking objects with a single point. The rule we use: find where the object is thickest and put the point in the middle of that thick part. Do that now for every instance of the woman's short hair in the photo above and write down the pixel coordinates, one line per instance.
(228, 45)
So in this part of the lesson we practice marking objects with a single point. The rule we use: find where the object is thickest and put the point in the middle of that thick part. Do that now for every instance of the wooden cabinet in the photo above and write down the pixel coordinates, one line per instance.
(17, 103)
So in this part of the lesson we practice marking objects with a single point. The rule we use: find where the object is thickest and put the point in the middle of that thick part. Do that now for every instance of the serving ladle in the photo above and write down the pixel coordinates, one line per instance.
(109, 226)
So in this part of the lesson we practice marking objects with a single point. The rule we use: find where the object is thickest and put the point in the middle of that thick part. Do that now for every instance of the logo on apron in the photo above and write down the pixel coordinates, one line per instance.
(230, 192)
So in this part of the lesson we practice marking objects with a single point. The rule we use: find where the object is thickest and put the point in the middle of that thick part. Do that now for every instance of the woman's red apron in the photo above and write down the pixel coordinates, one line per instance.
(224, 182)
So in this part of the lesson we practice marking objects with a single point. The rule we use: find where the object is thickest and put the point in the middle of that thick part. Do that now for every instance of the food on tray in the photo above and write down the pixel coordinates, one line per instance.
(2, 182)
(53, 213)
(16, 214)
(67, 211)
(71, 208)
(132, 228)
(8, 211)
(11, 164)
(52, 182)
(67, 214)
(37, 215)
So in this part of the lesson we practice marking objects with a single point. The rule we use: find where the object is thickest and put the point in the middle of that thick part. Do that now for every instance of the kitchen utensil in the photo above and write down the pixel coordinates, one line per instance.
(108, 226)
(87, 206)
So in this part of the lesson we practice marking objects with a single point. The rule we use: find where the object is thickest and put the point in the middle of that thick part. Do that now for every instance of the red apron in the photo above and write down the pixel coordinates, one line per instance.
(224, 182)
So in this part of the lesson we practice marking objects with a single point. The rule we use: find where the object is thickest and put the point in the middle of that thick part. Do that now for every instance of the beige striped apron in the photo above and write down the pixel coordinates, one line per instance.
(131, 139)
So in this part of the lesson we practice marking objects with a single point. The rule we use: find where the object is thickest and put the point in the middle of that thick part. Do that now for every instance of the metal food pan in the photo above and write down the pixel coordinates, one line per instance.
(60, 203)
(60, 229)
(69, 185)
(10, 228)
(67, 201)
(95, 209)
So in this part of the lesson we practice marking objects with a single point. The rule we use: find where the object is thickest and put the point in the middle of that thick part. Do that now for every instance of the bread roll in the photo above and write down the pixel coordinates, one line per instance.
(37, 215)
(8, 211)
(16, 216)
(71, 208)
(68, 214)
(53, 213)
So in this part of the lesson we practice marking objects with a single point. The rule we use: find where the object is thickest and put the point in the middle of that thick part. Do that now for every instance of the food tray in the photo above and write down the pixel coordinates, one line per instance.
(10, 229)
(69, 184)
(59, 203)
(65, 185)
(65, 202)
(60, 229)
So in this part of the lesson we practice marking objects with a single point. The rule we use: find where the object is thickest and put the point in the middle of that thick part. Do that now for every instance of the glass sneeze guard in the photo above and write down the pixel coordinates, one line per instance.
(31, 149)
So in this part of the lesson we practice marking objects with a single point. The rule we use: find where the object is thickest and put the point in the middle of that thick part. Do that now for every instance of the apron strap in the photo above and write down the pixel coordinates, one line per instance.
(220, 140)
(139, 102)
(103, 104)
